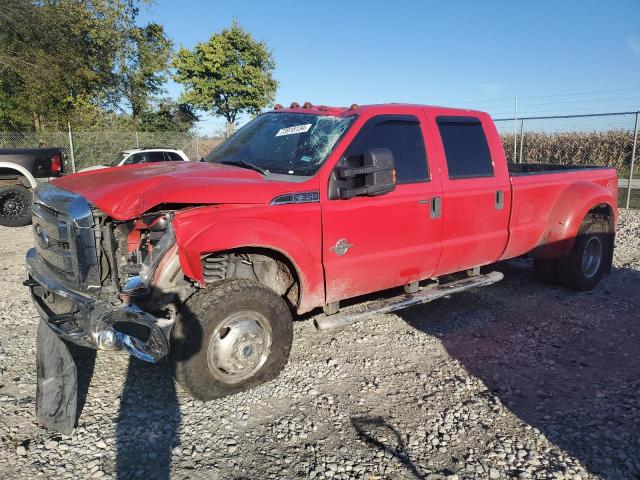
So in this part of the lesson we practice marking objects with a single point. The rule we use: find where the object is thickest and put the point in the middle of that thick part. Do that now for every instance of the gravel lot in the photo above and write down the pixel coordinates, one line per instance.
(515, 380)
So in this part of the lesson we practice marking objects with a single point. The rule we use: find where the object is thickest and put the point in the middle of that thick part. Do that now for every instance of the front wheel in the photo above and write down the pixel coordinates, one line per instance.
(15, 206)
(229, 337)
(590, 257)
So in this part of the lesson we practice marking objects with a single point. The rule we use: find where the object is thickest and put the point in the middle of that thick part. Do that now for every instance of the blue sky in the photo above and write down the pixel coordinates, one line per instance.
(555, 56)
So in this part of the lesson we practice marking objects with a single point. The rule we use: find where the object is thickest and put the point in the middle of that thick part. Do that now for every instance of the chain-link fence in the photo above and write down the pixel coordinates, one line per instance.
(85, 149)
(596, 139)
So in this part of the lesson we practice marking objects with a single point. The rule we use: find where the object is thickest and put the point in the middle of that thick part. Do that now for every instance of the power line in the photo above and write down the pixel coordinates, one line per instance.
(554, 117)
(510, 99)
(632, 100)
(612, 110)
(580, 101)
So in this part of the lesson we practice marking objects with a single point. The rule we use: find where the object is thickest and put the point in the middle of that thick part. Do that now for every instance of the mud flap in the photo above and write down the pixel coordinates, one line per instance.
(57, 389)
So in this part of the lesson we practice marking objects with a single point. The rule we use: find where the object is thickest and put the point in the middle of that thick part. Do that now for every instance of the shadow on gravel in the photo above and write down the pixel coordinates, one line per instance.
(375, 431)
(148, 422)
(566, 363)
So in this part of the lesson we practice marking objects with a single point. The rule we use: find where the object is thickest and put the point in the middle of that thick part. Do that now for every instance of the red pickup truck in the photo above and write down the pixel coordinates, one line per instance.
(302, 208)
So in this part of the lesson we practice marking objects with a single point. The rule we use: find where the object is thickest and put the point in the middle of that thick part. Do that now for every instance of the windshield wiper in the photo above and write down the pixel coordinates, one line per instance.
(243, 164)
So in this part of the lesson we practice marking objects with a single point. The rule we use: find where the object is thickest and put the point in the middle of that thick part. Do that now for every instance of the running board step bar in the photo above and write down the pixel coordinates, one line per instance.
(425, 295)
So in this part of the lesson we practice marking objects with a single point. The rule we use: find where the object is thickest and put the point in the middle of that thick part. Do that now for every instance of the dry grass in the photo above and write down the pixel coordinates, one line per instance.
(612, 147)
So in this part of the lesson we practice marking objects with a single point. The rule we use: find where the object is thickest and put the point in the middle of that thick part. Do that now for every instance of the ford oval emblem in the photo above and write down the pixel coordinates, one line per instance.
(341, 247)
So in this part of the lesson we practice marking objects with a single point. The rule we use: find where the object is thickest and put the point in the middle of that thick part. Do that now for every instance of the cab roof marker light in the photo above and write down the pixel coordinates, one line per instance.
(277, 106)
(294, 105)
(307, 105)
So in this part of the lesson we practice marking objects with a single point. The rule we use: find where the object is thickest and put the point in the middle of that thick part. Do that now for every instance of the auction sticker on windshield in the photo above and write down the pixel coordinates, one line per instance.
(292, 130)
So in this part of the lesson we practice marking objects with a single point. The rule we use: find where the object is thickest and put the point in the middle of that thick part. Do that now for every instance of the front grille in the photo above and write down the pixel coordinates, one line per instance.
(51, 235)
(63, 229)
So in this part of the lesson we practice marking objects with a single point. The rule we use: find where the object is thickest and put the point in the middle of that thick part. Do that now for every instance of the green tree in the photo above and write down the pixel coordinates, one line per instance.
(168, 116)
(144, 66)
(228, 75)
(58, 59)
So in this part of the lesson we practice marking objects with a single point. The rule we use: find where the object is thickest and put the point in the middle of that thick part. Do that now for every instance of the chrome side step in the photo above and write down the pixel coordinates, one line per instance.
(425, 295)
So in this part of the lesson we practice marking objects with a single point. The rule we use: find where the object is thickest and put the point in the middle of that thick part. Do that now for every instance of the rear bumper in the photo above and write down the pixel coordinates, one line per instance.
(89, 322)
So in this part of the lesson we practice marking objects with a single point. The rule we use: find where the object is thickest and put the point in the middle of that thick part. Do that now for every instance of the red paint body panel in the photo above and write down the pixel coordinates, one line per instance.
(292, 230)
(548, 209)
(127, 192)
(393, 238)
(475, 232)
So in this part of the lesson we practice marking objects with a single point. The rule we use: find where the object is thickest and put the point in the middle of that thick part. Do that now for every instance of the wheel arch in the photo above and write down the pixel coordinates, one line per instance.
(574, 204)
(7, 168)
(252, 236)
(268, 266)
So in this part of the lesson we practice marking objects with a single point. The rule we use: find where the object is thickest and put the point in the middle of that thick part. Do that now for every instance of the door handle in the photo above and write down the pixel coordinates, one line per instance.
(499, 199)
(435, 207)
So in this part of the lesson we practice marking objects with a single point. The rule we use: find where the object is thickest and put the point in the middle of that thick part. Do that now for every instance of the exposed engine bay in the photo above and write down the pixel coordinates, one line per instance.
(129, 255)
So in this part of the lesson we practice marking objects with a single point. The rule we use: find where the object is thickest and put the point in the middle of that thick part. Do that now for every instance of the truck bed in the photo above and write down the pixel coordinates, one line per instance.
(540, 191)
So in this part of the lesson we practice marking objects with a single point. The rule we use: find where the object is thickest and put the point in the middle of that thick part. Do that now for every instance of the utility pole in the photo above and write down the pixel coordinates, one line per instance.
(515, 131)
(633, 160)
(73, 160)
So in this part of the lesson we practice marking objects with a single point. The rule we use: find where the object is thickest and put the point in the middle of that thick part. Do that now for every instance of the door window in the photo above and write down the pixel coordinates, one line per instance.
(172, 157)
(156, 157)
(400, 134)
(465, 147)
(136, 158)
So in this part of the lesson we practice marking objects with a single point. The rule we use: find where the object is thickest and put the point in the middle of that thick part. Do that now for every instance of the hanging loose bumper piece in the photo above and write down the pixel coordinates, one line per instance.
(57, 387)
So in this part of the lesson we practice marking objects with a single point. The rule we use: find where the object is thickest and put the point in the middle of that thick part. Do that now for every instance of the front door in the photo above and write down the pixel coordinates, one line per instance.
(375, 243)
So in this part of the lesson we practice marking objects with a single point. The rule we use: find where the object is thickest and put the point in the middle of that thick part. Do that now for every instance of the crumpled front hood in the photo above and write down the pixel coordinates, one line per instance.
(127, 192)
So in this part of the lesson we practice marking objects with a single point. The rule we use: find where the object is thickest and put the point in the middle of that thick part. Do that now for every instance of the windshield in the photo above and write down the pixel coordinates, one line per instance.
(116, 161)
(288, 143)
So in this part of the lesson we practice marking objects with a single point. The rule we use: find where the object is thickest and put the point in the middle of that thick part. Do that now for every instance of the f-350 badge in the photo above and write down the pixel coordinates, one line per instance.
(341, 247)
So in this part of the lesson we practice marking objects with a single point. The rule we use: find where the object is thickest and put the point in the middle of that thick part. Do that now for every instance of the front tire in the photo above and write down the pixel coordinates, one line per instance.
(590, 257)
(15, 206)
(229, 337)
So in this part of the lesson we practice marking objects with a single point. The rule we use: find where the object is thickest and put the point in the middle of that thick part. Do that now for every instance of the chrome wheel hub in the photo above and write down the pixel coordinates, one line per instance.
(239, 346)
(591, 257)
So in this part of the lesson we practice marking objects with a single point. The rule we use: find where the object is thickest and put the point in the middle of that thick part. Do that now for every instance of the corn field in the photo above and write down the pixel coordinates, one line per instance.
(612, 148)
(596, 139)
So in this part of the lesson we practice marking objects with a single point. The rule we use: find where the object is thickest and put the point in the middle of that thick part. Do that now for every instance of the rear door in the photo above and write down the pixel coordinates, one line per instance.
(477, 193)
(375, 243)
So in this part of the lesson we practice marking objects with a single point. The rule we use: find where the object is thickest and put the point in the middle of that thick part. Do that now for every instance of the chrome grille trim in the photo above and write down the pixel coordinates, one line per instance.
(63, 229)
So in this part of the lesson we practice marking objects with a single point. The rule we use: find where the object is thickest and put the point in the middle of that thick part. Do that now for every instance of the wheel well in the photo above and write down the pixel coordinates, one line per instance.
(269, 267)
(604, 213)
(9, 176)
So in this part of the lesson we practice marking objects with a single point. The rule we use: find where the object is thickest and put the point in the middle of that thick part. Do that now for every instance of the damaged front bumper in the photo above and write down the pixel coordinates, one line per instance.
(87, 321)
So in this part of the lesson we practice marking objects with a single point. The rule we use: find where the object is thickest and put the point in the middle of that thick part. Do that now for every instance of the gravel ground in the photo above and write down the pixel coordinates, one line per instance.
(514, 380)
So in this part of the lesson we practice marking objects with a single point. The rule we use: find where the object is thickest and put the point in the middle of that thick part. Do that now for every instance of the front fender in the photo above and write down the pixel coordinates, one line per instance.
(572, 206)
(212, 229)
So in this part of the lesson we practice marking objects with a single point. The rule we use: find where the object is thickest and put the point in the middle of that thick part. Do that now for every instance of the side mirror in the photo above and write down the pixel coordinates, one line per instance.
(371, 174)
